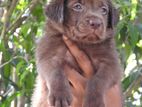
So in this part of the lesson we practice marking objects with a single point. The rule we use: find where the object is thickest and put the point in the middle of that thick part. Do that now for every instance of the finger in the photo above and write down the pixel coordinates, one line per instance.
(74, 77)
(77, 92)
(113, 94)
(74, 92)
(81, 58)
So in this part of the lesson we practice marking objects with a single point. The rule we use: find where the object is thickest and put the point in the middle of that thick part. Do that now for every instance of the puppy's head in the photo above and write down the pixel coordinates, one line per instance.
(87, 21)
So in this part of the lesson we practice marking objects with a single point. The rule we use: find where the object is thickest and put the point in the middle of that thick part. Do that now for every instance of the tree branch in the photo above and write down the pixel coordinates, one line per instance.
(20, 19)
(8, 13)
(134, 85)
(16, 24)
(16, 57)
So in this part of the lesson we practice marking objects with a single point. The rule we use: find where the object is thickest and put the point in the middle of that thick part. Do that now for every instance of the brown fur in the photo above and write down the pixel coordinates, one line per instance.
(91, 27)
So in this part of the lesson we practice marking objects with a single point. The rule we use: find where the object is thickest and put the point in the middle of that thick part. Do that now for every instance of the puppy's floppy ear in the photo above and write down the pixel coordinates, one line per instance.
(55, 10)
(113, 16)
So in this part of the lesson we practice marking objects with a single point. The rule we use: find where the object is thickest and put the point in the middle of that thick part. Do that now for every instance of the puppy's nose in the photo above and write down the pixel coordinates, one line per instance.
(94, 22)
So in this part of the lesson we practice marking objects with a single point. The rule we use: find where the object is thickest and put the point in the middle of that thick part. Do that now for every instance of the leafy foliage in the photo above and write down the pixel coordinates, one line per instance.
(22, 22)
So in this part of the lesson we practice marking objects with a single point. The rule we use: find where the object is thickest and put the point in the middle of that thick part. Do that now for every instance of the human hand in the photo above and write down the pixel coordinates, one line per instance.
(112, 97)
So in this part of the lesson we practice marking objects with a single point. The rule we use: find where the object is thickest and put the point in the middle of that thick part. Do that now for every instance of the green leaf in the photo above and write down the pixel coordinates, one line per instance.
(133, 35)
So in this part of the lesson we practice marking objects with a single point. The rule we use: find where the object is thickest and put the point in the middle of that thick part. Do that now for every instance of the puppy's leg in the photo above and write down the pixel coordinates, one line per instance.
(104, 79)
(50, 55)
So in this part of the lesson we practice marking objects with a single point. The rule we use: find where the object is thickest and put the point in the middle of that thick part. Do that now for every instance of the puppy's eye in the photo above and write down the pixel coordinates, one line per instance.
(77, 7)
(104, 10)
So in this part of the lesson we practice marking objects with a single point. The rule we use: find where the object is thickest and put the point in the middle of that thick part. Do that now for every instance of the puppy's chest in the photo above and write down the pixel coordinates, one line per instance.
(94, 54)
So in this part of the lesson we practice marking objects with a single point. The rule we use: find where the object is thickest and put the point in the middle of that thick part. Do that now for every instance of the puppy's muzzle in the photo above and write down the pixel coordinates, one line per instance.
(93, 22)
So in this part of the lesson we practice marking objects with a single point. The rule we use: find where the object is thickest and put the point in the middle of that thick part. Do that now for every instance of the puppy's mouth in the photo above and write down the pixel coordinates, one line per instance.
(88, 34)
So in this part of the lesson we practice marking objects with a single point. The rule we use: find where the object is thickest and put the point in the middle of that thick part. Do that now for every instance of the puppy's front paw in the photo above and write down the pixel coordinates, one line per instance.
(60, 97)
(94, 101)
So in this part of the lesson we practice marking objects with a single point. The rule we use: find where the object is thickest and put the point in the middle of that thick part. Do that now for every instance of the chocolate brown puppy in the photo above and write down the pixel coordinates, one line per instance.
(90, 24)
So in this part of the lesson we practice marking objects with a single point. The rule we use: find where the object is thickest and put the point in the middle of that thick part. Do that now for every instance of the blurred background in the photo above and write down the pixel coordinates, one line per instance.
(22, 22)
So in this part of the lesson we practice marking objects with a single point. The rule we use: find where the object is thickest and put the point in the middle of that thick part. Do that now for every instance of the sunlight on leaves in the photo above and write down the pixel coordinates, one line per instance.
(134, 9)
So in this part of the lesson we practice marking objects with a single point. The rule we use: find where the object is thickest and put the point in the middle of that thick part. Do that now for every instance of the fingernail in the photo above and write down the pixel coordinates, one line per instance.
(65, 38)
